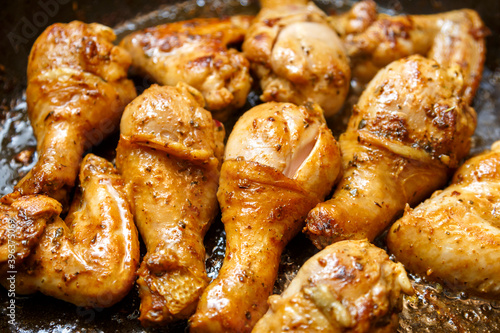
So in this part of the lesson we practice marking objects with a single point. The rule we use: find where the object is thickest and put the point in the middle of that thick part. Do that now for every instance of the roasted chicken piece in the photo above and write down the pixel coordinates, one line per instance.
(169, 153)
(77, 90)
(297, 57)
(409, 129)
(90, 259)
(350, 286)
(374, 40)
(22, 222)
(280, 161)
(196, 52)
(454, 236)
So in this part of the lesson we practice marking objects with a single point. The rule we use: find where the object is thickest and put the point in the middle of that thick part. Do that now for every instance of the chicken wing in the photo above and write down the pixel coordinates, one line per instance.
(90, 259)
(374, 40)
(297, 57)
(409, 129)
(280, 161)
(169, 153)
(77, 89)
(350, 286)
(196, 52)
(454, 236)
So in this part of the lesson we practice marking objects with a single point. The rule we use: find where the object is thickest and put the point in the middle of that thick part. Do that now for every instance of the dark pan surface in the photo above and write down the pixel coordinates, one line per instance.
(433, 309)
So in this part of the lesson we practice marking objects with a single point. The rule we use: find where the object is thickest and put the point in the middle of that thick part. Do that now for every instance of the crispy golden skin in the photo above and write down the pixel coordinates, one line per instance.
(409, 129)
(375, 40)
(77, 90)
(169, 154)
(196, 52)
(297, 57)
(280, 161)
(350, 286)
(22, 222)
(90, 259)
(454, 236)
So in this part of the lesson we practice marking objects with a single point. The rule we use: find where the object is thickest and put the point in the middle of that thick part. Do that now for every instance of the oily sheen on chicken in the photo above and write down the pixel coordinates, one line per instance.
(196, 52)
(296, 56)
(454, 236)
(408, 131)
(77, 90)
(22, 223)
(90, 258)
(350, 286)
(280, 161)
(374, 40)
(169, 155)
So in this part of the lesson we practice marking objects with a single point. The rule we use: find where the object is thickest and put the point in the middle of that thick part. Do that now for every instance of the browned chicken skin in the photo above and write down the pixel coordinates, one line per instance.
(454, 236)
(169, 153)
(77, 90)
(297, 57)
(22, 222)
(280, 161)
(409, 129)
(196, 52)
(350, 286)
(374, 40)
(90, 259)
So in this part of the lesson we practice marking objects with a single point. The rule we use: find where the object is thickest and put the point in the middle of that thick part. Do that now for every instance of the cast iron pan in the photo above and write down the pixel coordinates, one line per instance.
(433, 309)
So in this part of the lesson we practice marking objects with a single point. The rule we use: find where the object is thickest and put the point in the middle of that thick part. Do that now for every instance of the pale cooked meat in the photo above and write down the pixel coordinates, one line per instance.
(350, 286)
(374, 40)
(168, 154)
(22, 222)
(409, 129)
(90, 259)
(77, 90)
(196, 52)
(297, 57)
(280, 161)
(454, 236)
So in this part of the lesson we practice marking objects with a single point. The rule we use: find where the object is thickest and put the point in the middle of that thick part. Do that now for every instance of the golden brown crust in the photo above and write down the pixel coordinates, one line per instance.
(409, 129)
(90, 259)
(372, 40)
(294, 140)
(168, 154)
(196, 52)
(261, 210)
(174, 121)
(454, 236)
(80, 46)
(297, 57)
(418, 104)
(350, 286)
(22, 222)
(280, 160)
(461, 41)
(77, 89)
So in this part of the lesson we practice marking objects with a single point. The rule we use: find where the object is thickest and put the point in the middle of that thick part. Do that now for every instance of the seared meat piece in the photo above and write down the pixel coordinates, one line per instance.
(408, 131)
(280, 161)
(350, 286)
(454, 236)
(196, 52)
(90, 259)
(77, 90)
(22, 222)
(168, 154)
(297, 57)
(375, 40)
